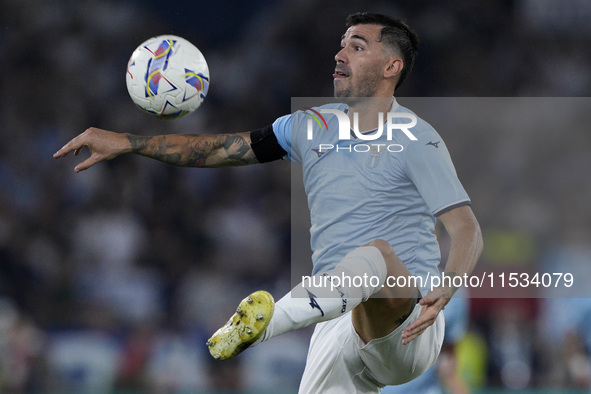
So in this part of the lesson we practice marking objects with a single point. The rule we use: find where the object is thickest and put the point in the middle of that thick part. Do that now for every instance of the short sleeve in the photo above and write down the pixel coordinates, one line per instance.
(282, 130)
(429, 166)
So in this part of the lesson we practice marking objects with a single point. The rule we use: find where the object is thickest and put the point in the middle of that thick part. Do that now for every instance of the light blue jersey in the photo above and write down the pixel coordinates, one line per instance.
(362, 190)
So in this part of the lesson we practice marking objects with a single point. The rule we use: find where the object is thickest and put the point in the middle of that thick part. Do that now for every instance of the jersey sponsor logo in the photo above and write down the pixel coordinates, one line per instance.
(435, 144)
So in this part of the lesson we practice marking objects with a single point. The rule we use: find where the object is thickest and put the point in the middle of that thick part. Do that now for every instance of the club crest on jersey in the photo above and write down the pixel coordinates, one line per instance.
(374, 157)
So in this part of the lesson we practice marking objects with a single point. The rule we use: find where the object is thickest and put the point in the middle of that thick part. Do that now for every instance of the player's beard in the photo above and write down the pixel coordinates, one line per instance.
(363, 84)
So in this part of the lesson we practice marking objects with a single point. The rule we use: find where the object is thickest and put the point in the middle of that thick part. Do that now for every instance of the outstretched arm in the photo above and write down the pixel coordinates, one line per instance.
(216, 150)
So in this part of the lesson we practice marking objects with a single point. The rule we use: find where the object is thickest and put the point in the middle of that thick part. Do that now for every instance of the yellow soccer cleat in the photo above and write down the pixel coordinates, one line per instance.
(248, 324)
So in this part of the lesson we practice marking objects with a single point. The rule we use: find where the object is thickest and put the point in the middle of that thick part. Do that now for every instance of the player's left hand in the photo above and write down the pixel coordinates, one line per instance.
(432, 304)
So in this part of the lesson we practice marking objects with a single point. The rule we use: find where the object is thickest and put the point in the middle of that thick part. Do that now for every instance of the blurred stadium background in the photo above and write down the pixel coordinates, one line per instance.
(112, 279)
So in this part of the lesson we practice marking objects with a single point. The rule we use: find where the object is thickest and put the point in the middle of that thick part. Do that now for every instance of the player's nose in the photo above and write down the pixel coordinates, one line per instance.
(341, 57)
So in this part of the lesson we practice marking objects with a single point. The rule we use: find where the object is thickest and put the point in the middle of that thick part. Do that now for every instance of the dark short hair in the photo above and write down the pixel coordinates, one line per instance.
(395, 34)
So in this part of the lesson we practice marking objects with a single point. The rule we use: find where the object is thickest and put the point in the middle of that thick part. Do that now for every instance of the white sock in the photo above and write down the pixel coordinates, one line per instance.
(331, 294)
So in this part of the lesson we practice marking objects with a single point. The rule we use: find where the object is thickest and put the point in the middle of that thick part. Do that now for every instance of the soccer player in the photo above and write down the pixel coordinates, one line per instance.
(373, 213)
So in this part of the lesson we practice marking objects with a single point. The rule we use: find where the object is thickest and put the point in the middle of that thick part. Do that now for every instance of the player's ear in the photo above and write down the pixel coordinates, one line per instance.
(393, 67)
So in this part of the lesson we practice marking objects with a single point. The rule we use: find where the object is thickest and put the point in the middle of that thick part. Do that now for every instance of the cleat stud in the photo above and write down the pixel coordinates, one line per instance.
(209, 342)
(217, 357)
(239, 310)
(248, 331)
(259, 317)
(249, 300)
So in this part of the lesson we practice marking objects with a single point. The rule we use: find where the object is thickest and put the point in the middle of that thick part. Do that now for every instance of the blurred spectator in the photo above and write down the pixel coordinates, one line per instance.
(176, 364)
(82, 361)
(21, 346)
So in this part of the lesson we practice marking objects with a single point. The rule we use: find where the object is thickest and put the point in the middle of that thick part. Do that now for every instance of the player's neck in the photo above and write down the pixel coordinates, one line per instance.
(368, 111)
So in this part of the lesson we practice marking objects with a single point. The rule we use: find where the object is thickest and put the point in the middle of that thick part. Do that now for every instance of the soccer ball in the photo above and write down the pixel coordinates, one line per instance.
(167, 77)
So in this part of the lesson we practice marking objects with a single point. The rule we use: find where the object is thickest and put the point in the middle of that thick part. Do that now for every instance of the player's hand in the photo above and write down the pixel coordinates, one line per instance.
(103, 145)
(432, 304)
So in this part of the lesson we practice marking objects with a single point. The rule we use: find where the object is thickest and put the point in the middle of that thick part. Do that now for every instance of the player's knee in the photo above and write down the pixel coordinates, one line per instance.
(395, 268)
(384, 247)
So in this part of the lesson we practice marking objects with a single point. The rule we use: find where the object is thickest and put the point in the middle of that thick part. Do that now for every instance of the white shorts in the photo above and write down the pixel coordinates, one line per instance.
(340, 362)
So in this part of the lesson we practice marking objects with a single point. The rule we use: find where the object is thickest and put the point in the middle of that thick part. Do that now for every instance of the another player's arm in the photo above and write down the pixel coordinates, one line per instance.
(466, 246)
(216, 150)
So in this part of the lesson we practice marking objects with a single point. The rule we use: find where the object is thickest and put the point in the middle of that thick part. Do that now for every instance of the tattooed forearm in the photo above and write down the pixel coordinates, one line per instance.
(137, 142)
(236, 151)
(196, 150)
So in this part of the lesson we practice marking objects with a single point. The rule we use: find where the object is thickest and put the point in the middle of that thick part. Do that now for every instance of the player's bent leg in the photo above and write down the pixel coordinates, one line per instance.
(247, 325)
(307, 303)
(340, 362)
(363, 351)
(391, 306)
(390, 362)
(331, 294)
